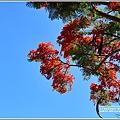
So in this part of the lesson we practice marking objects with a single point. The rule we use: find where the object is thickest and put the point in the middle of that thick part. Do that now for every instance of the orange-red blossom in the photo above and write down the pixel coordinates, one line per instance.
(53, 67)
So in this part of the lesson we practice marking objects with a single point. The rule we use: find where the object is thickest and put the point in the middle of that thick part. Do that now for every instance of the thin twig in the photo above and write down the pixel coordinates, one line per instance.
(107, 56)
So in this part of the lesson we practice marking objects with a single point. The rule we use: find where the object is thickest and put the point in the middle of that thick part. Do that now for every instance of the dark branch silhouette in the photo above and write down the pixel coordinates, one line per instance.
(97, 107)
(100, 46)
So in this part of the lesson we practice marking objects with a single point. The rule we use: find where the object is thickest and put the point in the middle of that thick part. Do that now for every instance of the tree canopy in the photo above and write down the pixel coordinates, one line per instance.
(90, 40)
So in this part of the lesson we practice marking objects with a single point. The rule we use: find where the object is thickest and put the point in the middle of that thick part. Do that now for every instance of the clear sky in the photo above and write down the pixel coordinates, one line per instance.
(24, 92)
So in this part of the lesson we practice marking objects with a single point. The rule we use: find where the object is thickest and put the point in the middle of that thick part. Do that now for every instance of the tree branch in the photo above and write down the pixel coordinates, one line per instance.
(107, 56)
(112, 35)
(97, 108)
(107, 16)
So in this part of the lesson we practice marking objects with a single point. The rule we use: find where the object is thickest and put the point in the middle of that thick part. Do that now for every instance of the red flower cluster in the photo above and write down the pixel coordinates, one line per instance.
(116, 56)
(108, 82)
(69, 34)
(108, 71)
(52, 67)
(44, 51)
(112, 5)
(94, 87)
(100, 28)
(44, 6)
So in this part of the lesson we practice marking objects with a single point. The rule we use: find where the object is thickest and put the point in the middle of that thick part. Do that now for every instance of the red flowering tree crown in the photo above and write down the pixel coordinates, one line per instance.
(90, 42)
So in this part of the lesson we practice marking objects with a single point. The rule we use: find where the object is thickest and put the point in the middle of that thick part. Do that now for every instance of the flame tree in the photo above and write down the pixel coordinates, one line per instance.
(90, 40)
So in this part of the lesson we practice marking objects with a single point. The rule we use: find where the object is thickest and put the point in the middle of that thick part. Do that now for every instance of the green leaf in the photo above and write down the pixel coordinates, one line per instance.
(35, 60)
(108, 104)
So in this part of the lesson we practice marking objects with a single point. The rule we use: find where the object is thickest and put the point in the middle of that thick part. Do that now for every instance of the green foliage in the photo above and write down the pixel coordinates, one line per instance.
(66, 11)
(113, 28)
(105, 26)
(35, 60)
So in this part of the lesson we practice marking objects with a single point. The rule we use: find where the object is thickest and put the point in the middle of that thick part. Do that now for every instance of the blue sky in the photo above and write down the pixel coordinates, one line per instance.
(24, 92)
